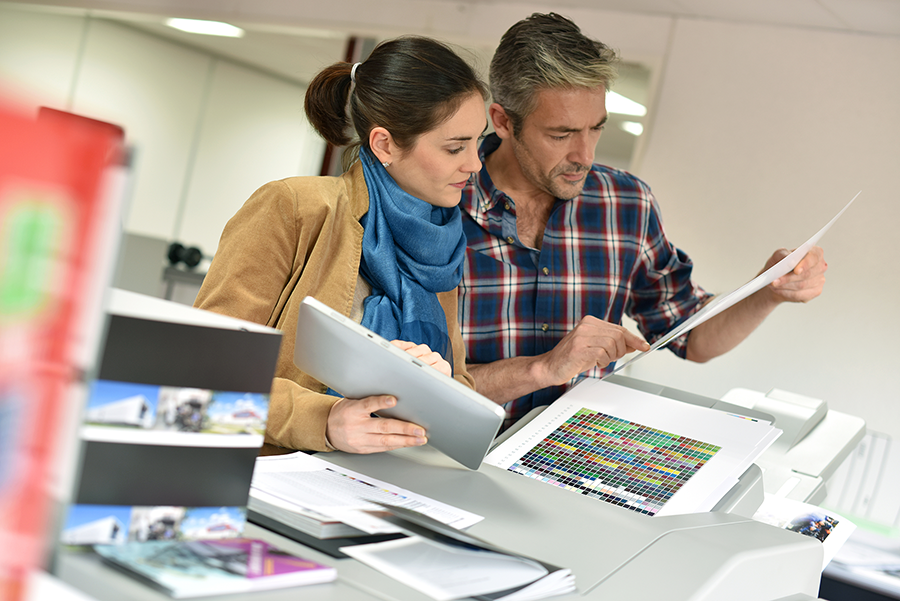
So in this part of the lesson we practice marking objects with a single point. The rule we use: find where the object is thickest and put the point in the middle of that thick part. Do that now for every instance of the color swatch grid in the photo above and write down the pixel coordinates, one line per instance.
(614, 460)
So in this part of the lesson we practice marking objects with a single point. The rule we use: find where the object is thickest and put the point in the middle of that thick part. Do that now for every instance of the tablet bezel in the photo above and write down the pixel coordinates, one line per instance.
(357, 363)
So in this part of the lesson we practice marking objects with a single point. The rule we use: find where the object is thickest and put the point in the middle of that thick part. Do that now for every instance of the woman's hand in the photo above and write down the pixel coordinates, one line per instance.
(352, 428)
(428, 356)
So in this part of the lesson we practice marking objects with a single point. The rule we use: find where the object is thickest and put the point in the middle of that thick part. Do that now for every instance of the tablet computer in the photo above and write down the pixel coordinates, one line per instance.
(357, 363)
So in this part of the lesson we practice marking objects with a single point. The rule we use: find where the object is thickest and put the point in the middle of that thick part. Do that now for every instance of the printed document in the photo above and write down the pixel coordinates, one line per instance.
(309, 483)
(724, 301)
(640, 451)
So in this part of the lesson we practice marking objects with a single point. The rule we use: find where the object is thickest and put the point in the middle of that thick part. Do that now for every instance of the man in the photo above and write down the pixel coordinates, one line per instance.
(559, 248)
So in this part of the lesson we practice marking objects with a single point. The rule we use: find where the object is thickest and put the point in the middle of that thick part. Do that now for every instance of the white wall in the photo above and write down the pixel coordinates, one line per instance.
(206, 132)
(38, 56)
(760, 135)
(267, 137)
(128, 78)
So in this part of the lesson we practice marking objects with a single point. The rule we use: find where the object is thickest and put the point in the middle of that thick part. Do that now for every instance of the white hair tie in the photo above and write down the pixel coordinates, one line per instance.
(353, 72)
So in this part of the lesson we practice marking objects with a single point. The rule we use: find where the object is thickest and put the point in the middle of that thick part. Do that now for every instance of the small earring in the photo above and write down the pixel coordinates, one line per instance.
(385, 164)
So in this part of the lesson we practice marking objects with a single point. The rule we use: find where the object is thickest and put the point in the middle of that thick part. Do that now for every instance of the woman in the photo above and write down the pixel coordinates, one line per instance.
(382, 243)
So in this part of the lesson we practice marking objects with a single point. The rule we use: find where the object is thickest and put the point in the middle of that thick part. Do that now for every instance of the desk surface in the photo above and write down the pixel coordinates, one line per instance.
(612, 551)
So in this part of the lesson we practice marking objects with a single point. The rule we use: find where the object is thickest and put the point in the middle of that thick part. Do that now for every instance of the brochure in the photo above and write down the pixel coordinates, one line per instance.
(202, 568)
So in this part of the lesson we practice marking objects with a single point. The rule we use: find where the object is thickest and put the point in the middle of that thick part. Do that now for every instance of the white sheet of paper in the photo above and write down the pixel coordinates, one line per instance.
(443, 572)
(724, 301)
(308, 482)
(794, 515)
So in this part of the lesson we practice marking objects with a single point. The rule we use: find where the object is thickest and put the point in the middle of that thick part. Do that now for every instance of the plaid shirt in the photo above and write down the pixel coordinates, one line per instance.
(604, 254)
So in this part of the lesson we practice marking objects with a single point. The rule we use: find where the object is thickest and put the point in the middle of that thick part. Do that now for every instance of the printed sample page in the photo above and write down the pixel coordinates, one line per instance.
(640, 451)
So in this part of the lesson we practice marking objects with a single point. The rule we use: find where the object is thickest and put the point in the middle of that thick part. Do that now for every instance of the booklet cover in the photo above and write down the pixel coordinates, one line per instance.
(60, 184)
(171, 426)
(203, 568)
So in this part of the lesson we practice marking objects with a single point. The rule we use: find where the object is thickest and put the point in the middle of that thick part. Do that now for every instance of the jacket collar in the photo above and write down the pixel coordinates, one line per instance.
(357, 191)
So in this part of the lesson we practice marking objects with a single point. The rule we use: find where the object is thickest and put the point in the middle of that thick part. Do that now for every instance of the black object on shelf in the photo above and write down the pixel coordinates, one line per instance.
(190, 255)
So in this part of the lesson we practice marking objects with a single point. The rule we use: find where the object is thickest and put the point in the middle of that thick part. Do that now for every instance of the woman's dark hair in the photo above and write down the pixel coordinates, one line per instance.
(408, 85)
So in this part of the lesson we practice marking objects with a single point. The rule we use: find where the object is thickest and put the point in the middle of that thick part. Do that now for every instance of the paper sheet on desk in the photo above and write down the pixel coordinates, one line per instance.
(446, 563)
(724, 301)
(311, 483)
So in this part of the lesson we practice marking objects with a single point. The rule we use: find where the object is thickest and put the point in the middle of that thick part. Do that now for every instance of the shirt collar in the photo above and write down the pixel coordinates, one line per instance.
(493, 196)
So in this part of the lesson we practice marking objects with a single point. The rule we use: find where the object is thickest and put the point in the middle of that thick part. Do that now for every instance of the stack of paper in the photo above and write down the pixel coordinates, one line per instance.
(324, 500)
(643, 452)
(445, 563)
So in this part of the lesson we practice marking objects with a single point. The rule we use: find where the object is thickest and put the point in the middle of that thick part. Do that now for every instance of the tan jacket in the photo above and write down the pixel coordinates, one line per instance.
(293, 238)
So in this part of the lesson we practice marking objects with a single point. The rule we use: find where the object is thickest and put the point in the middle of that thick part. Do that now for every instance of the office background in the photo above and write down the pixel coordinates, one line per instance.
(763, 122)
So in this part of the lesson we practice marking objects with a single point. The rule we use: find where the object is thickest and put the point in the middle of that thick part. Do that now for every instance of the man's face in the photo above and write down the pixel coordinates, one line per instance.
(555, 147)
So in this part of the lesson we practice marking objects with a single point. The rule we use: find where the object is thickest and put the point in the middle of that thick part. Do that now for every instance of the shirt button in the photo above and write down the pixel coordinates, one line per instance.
(506, 206)
(545, 327)
(546, 271)
(510, 239)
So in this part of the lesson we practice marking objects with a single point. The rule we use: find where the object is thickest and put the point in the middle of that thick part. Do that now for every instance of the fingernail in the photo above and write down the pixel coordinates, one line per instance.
(420, 433)
(421, 440)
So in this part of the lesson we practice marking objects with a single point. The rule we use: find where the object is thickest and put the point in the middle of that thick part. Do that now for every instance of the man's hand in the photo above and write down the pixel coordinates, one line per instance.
(591, 343)
(352, 428)
(802, 284)
(729, 328)
(428, 356)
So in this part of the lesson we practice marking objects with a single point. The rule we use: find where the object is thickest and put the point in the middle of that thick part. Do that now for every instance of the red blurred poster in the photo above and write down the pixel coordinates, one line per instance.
(58, 215)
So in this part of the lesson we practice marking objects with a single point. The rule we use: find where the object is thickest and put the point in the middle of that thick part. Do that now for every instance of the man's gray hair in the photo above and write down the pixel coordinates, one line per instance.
(546, 51)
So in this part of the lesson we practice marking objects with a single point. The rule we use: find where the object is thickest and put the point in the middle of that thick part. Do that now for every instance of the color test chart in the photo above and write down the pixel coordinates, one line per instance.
(615, 460)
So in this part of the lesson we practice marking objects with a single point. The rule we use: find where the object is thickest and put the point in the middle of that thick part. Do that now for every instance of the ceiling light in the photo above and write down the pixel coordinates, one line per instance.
(206, 27)
(616, 103)
(632, 127)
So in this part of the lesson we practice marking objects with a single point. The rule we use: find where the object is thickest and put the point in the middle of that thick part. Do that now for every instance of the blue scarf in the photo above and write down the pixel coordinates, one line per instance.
(411, 250)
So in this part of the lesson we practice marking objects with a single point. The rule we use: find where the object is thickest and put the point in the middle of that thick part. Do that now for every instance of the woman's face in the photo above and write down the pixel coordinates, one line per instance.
(438, 166)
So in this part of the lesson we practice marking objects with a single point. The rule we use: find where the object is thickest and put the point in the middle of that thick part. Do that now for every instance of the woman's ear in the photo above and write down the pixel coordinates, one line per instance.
(381, 143)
